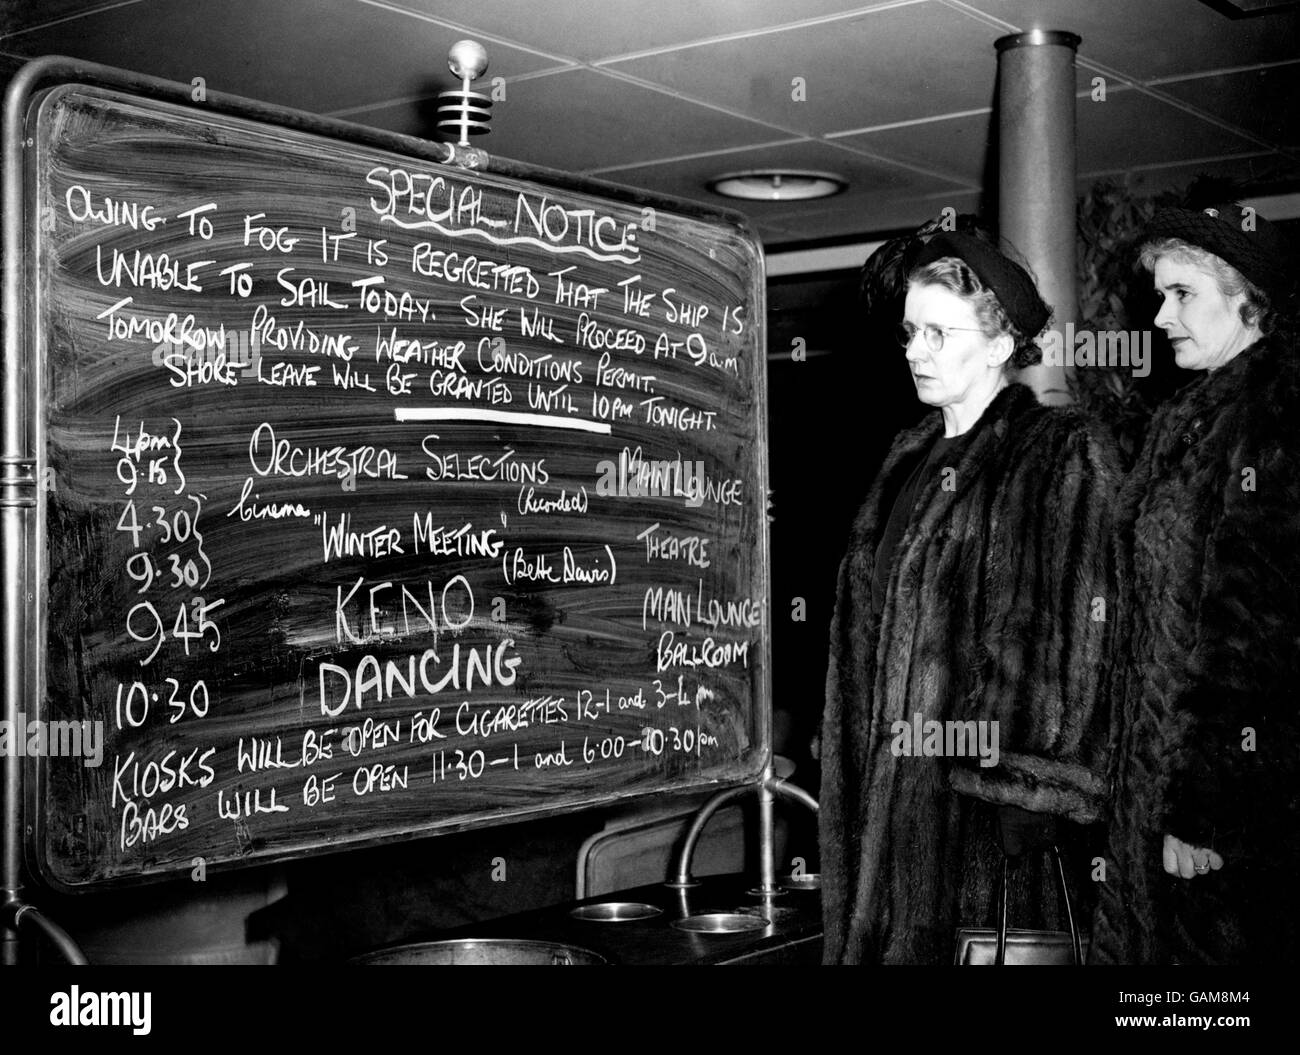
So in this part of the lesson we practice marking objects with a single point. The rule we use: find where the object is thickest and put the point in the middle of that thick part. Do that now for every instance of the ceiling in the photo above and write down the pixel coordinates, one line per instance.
(665, 94)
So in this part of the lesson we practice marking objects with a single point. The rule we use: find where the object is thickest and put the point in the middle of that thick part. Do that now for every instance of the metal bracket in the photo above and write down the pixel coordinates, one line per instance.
(467, 157)
(17, 482)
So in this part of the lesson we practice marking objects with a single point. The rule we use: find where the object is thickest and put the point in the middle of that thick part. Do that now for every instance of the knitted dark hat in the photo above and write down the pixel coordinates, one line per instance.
(1235, 235)
(1009, 281)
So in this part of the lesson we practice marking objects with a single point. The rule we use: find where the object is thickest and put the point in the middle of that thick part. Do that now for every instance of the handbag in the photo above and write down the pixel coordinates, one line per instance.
(980, 946)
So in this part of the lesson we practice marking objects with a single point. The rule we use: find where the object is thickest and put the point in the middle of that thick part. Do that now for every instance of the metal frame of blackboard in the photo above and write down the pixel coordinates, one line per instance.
(22, 508)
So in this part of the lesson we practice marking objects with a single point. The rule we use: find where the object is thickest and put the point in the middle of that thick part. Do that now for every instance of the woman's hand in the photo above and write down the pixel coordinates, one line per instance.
(1188, 861)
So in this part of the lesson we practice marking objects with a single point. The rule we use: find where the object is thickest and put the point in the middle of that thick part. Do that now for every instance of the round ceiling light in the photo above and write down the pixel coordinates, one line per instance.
(777, 185)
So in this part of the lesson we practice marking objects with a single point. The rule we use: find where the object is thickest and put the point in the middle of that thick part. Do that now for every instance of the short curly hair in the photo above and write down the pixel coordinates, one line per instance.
(1258, 309)
(954, 274)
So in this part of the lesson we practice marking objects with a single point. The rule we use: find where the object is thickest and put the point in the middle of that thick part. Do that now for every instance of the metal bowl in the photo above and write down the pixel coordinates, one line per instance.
(722, 922)
(806, 881)
(482, 952)
(616, 912)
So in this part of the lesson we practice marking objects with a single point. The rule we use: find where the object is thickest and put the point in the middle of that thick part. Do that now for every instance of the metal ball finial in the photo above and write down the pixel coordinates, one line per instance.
(465, 113)
(467, 59)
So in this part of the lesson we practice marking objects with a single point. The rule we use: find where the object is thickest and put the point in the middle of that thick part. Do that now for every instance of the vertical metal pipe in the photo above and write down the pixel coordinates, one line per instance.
(17, 498)
(1036, 175)
(767, 833)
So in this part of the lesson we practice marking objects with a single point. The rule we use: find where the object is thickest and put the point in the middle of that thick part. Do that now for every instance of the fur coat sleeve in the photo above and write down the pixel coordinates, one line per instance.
(1047, 626)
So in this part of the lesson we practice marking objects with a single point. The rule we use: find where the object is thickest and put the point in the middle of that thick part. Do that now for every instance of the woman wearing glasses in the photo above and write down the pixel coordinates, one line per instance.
(969, 629)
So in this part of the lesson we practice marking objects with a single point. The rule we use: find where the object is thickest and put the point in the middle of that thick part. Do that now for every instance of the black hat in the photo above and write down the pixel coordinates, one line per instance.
(1009, 281)
(1234, 234)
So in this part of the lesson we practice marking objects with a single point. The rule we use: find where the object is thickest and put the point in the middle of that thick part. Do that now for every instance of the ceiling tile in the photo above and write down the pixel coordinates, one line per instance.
(345, 55)
(956, 146)
(10, 65)
(590, 30)
(689, 178)
(863, 216)
(876, 198)
(1265, 102)
(890, 65)
(1155, 38)
(18, 15)
(582, 119)
(873, 216)
(410, 117)
(1264, 173)
(772, 233)
(1132, 129)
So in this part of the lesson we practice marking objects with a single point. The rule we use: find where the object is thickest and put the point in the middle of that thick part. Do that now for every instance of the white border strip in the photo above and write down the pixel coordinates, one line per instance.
(509, 417)
(830, 258)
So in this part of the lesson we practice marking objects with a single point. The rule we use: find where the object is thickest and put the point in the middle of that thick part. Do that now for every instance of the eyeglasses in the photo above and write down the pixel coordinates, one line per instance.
(934, 335)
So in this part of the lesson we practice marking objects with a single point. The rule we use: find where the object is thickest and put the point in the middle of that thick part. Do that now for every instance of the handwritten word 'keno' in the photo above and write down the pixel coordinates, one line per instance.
(418, 201)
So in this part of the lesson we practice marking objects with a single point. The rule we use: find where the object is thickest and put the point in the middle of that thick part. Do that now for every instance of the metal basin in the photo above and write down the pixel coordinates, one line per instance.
(616, 912)
(806, 881)
(722, 922)
(482, 952)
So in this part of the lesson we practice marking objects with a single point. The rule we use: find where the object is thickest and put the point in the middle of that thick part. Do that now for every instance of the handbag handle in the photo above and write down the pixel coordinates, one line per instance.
(1075, 943)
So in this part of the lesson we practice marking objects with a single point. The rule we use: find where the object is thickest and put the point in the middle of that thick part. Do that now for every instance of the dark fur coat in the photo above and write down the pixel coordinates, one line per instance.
(997, 610)
(1211, 629)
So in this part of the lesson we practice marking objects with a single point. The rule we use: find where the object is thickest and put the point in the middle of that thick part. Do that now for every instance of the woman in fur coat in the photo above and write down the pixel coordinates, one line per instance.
(969, 629)
(1204, 845)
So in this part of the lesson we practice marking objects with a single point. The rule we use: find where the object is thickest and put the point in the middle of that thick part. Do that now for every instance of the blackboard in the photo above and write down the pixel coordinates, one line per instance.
(377, 497)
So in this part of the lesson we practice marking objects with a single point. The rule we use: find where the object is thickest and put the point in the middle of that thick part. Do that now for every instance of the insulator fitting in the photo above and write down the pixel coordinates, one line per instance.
(465, 113)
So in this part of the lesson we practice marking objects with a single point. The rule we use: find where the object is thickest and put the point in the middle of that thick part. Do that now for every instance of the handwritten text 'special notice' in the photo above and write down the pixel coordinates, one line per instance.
(383, 498)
